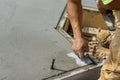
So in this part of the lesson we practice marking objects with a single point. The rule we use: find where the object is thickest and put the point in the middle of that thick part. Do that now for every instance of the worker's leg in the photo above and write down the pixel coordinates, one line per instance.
(111, 68)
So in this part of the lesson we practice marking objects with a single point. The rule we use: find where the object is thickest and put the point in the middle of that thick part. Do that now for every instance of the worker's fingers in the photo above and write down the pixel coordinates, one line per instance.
(80, 49)
(80, 54)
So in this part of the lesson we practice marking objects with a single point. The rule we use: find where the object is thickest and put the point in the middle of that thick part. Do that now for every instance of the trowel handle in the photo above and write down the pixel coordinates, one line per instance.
(91, 59)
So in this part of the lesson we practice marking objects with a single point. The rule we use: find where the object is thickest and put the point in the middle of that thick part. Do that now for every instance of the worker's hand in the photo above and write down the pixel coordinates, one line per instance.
(80, 46)
(102, 8)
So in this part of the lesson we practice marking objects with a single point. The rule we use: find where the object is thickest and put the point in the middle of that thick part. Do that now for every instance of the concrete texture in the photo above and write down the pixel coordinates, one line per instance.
(89, 3)
(28, 40)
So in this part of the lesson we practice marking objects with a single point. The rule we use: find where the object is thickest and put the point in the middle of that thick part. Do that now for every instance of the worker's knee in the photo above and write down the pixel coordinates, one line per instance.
(109, 75)
(117, 18)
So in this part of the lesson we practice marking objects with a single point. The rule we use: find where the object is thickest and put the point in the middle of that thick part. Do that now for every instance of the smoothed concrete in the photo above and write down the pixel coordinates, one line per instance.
(28, 40)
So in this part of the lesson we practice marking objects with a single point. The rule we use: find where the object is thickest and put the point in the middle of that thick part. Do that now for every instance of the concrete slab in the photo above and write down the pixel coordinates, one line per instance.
(28, 40)
(90, 4)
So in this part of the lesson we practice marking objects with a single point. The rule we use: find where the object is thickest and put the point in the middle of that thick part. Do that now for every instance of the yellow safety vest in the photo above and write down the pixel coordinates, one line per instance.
(105, 2)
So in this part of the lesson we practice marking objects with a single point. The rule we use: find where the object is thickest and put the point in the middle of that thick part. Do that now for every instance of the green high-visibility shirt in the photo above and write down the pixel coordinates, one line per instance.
(105, 2)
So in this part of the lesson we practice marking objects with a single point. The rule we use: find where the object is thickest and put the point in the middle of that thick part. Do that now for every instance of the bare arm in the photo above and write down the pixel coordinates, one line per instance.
(75, 15)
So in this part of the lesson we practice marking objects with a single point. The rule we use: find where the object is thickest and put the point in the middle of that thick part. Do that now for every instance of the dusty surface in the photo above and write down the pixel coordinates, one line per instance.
(28, 40)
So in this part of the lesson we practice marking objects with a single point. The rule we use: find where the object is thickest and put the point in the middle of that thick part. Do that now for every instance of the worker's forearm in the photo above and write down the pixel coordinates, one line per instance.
(75, 14)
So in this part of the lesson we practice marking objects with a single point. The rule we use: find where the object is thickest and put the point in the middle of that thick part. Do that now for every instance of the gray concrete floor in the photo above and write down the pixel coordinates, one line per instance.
(28, 40)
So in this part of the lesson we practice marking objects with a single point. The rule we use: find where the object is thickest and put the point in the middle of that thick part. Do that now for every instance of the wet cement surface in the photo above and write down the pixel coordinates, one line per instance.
(28, 40)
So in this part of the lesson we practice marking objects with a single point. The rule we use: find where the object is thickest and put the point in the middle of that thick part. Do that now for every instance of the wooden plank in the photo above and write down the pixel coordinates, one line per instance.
(93, 19)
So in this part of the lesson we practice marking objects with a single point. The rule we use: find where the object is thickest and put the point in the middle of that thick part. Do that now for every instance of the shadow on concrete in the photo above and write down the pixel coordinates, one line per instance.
(92, 74)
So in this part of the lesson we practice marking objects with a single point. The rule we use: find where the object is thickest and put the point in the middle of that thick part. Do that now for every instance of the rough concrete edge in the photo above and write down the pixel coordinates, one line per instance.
(77, 72)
